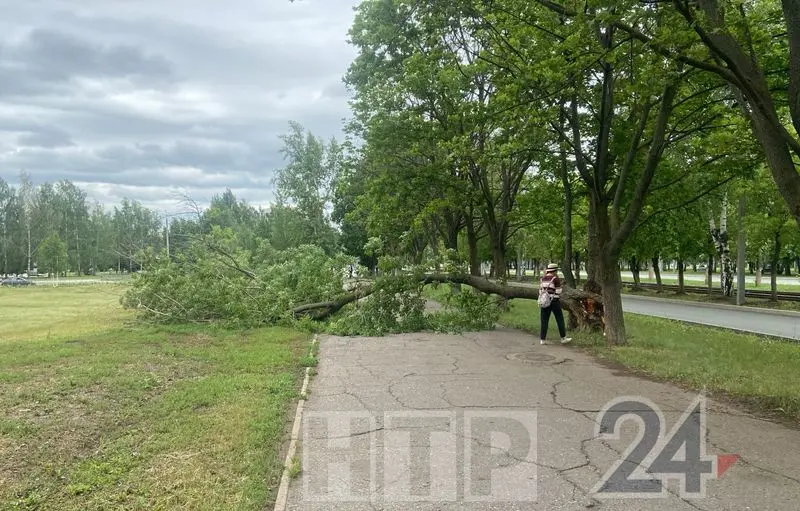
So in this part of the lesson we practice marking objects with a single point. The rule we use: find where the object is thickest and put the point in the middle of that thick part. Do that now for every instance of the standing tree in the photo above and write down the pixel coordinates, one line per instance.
(720, 239)
(753, 47)
(306, 183)
(52, 255)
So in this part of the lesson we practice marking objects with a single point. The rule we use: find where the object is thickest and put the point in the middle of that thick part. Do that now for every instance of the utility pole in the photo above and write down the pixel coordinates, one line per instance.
(740, 281)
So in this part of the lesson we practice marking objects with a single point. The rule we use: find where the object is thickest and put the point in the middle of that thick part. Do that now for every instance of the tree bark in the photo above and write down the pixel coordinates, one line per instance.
(612, 302)
(499, 269)
(681, 289)
(634, 266)
(657, 270)
(710, 274)
(472, 242)
(720, 238)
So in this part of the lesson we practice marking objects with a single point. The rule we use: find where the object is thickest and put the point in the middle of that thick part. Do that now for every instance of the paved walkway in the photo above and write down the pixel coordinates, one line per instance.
(747, 319)
(494, 421)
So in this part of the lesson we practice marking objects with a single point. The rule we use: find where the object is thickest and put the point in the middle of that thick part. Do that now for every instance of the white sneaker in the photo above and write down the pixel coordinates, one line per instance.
(542, 341)
(566, 340)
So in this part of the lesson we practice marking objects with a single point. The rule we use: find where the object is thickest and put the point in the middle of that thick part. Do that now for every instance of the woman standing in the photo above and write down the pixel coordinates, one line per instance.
(551, 285)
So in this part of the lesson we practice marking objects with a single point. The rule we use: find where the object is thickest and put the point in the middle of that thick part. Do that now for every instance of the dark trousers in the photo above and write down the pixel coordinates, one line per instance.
(555, 308)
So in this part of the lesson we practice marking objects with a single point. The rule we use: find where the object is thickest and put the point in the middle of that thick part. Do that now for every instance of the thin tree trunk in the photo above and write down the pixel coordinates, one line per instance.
(566, 269)
(773, 275)
(577, 268)
(593, 256)
(634, 266)
(758, 270)
(472, 242)
(681, 289)
(657, 270)
(710, 275)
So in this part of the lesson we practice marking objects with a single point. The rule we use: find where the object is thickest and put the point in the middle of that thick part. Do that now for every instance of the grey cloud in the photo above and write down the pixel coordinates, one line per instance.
(57, 54)
(47, 137)
(143, 99)
(230, 57)
(337, 90)
(46, 61)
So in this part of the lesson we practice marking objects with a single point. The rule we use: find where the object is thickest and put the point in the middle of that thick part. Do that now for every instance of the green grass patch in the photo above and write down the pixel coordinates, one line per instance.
(43, 311)
(116, 416)
(753, 369)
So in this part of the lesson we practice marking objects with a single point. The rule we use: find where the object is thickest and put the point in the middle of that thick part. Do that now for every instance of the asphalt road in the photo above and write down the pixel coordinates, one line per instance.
(493, 421)
(746, 319)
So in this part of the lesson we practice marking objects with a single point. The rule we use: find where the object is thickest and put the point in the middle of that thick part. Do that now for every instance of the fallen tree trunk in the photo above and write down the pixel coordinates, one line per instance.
(584, 306)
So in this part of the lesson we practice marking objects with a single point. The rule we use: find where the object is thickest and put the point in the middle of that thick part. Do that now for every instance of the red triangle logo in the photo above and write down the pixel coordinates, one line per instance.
(724, 462)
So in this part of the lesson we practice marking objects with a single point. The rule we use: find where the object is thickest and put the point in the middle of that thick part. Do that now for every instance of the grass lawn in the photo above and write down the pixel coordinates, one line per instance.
(99, 413)
(42, 311)
(759, 371)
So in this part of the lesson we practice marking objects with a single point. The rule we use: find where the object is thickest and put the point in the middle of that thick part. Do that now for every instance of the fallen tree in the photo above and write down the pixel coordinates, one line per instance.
(585, 307)
(214, 280)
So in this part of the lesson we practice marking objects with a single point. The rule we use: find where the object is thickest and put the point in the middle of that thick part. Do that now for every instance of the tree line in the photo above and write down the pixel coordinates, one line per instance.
(54, 227)
(593, 131)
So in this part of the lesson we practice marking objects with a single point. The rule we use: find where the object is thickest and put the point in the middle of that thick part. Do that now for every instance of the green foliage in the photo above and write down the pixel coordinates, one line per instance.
(396, 305)
(216, 280)
(305, 186)
(53, 256)
(468, 310)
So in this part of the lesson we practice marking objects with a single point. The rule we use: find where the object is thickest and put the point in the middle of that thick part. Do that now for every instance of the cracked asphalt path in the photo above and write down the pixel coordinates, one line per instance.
(406, 421)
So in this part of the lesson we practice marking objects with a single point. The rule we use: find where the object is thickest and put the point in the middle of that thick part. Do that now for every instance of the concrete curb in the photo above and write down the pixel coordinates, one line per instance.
(738, 308)
(282, 498)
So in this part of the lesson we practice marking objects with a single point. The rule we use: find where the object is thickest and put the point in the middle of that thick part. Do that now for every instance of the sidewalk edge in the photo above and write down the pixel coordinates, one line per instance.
(282, 498)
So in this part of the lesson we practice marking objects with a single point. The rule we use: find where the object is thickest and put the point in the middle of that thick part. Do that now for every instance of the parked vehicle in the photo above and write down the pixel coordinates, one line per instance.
(16, 281)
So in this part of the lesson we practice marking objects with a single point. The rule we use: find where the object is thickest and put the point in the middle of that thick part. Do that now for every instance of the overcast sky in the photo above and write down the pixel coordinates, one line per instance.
(148, 99)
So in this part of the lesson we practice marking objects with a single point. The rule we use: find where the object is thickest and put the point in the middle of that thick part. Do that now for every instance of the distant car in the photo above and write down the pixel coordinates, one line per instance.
(16, 281)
